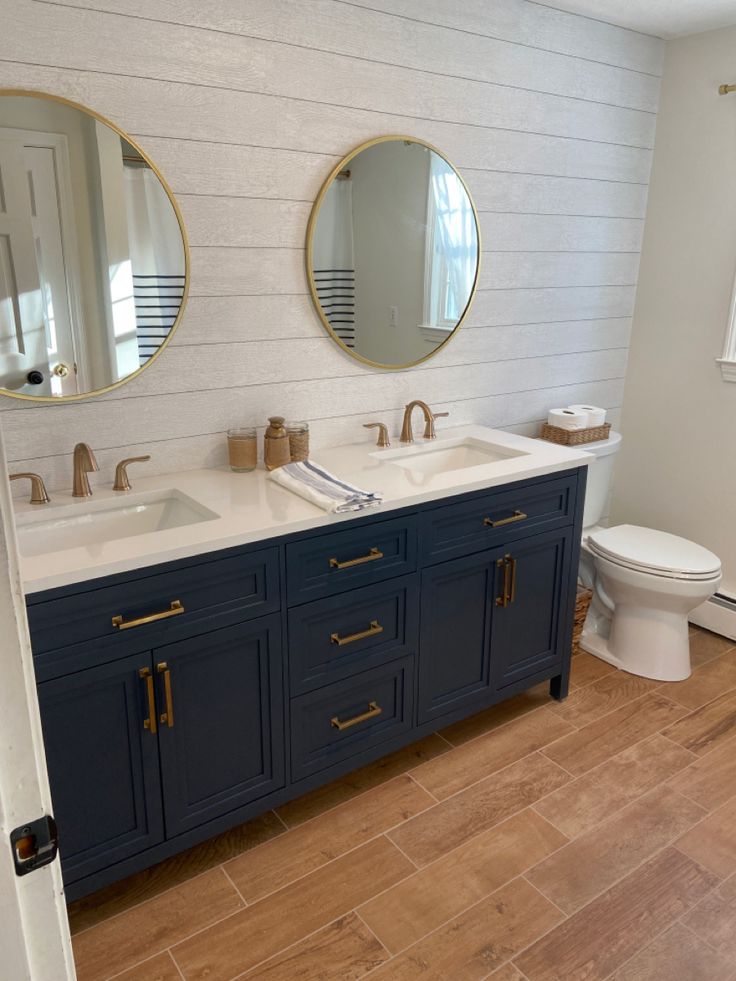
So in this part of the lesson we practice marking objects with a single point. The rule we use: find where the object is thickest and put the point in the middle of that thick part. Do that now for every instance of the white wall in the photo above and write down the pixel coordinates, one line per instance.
(247, 105)
(677, 466)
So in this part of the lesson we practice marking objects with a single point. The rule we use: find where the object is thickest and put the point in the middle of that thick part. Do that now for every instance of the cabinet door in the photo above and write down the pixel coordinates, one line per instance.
(527, 632)
(221, 739)
(454, 649)
(103, 764)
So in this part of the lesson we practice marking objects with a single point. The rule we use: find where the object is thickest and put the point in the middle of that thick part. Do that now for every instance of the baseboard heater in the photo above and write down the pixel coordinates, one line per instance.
(717, 614)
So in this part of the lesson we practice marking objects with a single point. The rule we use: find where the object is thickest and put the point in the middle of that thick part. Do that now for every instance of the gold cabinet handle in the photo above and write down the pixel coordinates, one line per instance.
(375, 628)
(374, 709)
(174, 610)
(370, 557)
(168, 715)
(503, 599)
(150, 722)
(516, 516)
(512, 589)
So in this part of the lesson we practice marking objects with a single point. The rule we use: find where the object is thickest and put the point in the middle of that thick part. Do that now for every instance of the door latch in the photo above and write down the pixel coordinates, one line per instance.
(34, 845)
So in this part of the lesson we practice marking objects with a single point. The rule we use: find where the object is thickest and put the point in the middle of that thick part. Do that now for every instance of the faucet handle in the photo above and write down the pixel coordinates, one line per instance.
(383, 438)
(429, 432)
(122, 483)
(38, 490)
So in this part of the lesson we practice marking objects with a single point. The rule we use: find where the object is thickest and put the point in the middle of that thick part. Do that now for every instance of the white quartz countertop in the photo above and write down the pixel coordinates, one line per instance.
(252, 508)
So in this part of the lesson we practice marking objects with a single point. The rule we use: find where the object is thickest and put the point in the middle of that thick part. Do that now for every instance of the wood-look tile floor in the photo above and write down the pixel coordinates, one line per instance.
(537, 841)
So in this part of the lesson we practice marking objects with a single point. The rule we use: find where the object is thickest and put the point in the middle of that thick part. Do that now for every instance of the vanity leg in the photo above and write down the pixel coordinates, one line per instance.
(560, 685)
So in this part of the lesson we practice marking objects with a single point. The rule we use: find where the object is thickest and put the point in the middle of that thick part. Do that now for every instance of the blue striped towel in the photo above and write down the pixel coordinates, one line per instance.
(322, 488)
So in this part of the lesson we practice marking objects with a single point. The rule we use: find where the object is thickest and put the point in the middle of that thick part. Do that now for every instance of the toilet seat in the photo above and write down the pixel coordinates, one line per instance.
(655, 553)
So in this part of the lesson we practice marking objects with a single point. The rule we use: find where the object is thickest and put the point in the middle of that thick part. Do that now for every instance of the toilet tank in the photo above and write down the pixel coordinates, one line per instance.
(600, 474)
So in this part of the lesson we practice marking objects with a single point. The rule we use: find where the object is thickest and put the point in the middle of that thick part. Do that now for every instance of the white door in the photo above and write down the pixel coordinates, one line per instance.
(22, 327)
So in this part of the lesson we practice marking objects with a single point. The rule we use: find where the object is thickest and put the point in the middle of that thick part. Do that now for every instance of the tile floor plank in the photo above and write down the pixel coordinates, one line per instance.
(417, 905)
(472, 945)
(125, 940)
(713, 841)
(345, 788)
(265, 869)
(254, 934)
(498, 715)
(713, 679)
(593, 862)
(609, 735)
(599, 939)
(711, 779)
(714, 920)
(159, 968)
(587, 704)
(481, 757)
(708, 727)
(705, 646)
(677, 954)
(598, 794)
(457, 819)
(586, 668)
(343, 951)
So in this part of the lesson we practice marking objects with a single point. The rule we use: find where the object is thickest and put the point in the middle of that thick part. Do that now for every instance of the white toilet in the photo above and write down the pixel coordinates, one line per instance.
(645, 583)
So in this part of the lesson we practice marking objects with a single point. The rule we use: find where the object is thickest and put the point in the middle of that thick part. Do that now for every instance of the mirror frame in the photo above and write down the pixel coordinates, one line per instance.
(61, 400)
(310, 251)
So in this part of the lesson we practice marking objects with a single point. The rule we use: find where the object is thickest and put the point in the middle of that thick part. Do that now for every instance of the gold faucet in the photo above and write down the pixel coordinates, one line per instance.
(38, 490)
(407, 436)
(84, 463)
(122, 482)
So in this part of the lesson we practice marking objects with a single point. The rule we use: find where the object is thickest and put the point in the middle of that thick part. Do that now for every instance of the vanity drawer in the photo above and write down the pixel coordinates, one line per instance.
(246, 585)
(346, 718)
(497, 517)
(337, 637)
(346, 559)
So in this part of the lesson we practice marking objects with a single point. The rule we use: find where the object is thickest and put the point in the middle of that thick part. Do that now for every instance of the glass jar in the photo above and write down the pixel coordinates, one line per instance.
(242, 449)
(298, 440)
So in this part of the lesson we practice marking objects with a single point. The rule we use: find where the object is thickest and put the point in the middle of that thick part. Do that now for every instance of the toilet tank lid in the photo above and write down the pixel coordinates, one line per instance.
(656, 550)
(604, 446)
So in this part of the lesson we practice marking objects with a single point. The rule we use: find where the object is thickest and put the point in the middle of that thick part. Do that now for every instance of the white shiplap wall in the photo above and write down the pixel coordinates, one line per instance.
(247, 104)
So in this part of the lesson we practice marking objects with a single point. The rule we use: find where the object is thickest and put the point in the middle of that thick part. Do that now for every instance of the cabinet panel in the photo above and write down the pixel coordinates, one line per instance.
(349, 558)
(224, 745)
(336, 637)
(454, 646)
(528, 632)
(345, 719)
(103, 765)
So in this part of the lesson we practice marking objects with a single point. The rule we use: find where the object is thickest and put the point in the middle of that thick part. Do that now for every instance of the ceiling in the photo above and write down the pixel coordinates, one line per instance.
(663, 18)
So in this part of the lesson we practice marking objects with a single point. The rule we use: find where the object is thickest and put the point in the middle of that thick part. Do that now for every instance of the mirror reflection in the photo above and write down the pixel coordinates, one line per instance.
(92, 252)
(393, 252)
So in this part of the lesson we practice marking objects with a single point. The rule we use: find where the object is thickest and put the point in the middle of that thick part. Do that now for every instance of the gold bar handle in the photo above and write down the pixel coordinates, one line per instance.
(503, 599)
(374, 709)
(512, 590)
(168, 715)
(375, 628)
(516, 516)
(174, 610)
(370, 557)
(149, 723)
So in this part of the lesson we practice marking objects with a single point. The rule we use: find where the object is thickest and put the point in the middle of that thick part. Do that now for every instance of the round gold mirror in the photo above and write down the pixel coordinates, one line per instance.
(393, 252)
(94, 262)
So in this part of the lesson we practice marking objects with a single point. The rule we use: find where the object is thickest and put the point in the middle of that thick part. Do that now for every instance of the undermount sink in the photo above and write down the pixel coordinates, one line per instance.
(449, 455)
(94, 523)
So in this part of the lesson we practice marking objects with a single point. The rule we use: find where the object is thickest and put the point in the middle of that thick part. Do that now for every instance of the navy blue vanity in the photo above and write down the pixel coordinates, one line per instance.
(182, 699)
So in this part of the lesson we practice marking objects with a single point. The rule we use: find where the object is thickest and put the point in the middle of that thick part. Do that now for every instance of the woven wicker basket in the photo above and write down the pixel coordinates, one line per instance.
(574, 437)
(581, 611)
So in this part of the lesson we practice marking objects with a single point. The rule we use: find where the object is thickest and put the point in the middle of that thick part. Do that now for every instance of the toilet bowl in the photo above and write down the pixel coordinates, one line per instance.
(645, 583)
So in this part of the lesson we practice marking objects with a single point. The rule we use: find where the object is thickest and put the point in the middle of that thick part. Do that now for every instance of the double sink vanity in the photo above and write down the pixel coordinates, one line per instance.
(212, 645)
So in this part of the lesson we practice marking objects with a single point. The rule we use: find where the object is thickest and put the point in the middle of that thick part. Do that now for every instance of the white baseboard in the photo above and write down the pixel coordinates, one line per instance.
(717, 614)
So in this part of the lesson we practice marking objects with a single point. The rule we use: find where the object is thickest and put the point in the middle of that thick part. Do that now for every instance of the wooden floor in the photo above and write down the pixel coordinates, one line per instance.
(578, 841)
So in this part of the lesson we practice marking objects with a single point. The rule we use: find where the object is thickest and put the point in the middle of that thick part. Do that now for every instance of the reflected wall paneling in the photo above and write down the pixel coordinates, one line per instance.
(246, 106)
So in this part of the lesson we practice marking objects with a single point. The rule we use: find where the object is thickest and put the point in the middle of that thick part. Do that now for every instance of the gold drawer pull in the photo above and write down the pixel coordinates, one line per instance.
(516, 516)
(370, 557)
(375, 628)
(174, 610)
(168, 715)
(512, 590)
(503, 599)
(374, 709)
(149, 723)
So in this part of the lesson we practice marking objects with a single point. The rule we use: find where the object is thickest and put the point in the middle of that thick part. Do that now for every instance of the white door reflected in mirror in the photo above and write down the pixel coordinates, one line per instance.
(393, 252)
(93, 258)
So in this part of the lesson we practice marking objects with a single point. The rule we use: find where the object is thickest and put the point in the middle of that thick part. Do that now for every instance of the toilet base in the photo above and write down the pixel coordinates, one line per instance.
(650, 643)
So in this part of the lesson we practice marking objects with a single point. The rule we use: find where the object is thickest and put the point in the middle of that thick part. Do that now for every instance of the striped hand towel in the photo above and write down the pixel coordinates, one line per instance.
(322, 488)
